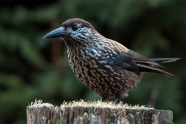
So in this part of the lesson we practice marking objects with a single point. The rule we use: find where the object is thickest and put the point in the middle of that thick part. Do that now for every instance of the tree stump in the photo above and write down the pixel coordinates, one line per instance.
(80, 112)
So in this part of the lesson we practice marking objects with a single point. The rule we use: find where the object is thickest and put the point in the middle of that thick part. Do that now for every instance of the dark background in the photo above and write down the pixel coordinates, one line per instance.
(31, 67)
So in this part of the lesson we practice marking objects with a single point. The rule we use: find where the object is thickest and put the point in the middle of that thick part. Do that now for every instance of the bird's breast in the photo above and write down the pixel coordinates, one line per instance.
(85, 62)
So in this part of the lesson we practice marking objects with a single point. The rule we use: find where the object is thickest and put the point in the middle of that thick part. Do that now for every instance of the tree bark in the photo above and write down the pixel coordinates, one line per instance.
(95, 113)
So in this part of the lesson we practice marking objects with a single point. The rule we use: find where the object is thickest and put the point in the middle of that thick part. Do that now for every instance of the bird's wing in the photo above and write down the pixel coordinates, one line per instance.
(133, 61)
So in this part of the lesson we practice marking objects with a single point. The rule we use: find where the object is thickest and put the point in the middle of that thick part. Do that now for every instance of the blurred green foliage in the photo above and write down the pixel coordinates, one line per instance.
(31, 67)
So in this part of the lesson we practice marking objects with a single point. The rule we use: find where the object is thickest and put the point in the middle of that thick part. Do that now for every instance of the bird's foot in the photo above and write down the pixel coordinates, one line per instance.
(103, 99)
(115, 101)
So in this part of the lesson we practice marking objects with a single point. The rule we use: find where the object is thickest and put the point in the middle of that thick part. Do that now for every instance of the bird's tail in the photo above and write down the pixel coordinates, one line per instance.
(164, 60)
(158, 60)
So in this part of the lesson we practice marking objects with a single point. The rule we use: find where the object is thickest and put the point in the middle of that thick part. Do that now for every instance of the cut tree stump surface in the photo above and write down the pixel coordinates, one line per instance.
(97, 112)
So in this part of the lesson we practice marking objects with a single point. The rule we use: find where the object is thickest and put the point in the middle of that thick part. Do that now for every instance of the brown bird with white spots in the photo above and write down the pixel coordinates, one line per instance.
(101, 64)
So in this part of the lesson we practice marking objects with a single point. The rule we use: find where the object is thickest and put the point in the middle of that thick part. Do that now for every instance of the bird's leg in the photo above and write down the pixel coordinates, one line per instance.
(115, 101)
(103, 99)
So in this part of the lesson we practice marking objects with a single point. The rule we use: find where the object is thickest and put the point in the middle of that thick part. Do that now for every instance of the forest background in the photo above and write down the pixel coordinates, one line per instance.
(33, 68)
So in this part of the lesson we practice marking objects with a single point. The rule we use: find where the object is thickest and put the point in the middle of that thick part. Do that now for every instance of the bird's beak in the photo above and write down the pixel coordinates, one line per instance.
(59, 32)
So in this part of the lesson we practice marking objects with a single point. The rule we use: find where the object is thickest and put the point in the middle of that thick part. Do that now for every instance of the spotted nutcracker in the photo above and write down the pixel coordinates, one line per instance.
(101, 64)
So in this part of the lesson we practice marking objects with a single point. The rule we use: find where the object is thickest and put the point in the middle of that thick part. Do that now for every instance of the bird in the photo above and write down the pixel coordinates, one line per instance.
(103, 65)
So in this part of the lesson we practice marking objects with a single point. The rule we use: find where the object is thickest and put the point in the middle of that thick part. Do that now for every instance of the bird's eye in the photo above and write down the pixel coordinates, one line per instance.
(74, 27)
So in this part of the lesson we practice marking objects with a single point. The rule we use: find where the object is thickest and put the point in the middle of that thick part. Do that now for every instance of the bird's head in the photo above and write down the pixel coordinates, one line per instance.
(73, 30)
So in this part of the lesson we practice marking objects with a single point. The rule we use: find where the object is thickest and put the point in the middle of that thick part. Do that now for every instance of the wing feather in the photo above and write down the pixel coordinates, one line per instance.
(136, 62)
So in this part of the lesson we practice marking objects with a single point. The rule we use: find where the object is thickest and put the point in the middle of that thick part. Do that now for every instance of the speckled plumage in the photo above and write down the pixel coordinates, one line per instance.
(104, 65)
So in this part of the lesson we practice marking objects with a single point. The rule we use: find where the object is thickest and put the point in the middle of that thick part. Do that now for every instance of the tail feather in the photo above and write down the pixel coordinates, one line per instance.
(164, 60)
(148, 66)
(145, 68)
(151, 63)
